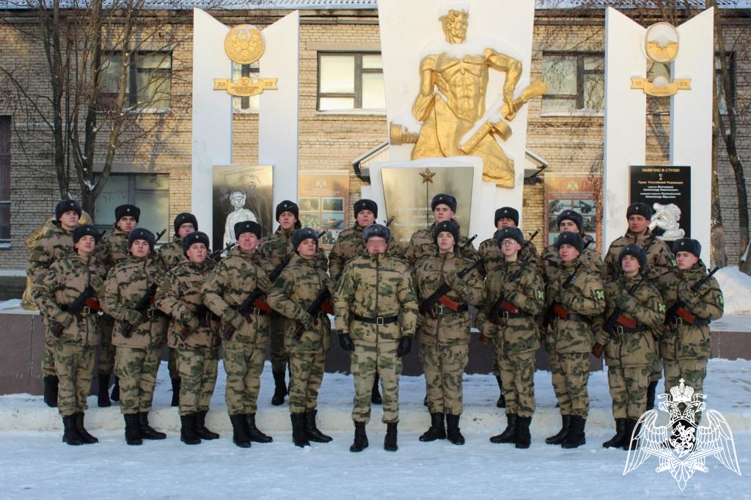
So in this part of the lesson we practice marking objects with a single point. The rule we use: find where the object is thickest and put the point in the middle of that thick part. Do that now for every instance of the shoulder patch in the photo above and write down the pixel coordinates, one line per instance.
(599, 295)
(540, 294)
(661, 307)
(721, 300)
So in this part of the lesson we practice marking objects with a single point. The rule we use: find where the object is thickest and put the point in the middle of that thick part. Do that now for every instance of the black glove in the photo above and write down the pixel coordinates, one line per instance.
(346, 342)
(405, 345)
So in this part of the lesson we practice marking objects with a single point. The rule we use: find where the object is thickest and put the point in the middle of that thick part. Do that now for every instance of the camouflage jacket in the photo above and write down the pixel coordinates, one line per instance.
(179, 296)
(645, 306)
(491, 252)
(227, 287)
(450, 328)
(296, 289)
(126, 283)
(59, 287)
(688, 341)
(275, 248)
(113, 248)
(422, 244)
(171, 254)
(53, 246)
(349, 245)
(527, 292)
(551, 260)
(376, 286)
(584, 296)
(660, 259)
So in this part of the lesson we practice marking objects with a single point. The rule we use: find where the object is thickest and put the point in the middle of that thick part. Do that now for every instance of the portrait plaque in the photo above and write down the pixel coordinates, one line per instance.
(666, 186)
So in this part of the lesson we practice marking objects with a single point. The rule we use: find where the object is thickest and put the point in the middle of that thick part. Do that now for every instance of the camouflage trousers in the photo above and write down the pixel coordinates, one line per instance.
(279, 354)
(306, 375)
(570, 376)
(136, 369)
(48, 358)
(692, 371)
(628, 389)
(656, 371)
(106, 363)
(444, 368)
(172, 364)
(367, 360)
(198, 369)
(74, 366)
(497, 353)
(518, 377)
(243, 363)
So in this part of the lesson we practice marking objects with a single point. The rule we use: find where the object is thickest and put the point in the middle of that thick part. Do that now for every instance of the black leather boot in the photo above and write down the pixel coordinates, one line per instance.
(188, 429)
(132, 432)
(631, 430)
(453, 433)
(201, 430)
(561, 436)
(523, 438)
(240, 430)
(115, 395)
(501, 403)
(70, 432)
(145, 430)
(508, 435)
(375, 395)
(651, 394)
(436, 431)
(103, 396)
(299, 436)
(175, 392)
(389, 442)
(361, 438)
(575, 436)
(253, 432)
(87, 438)
(617, 441)
(50, 390)
(280, 388)
(312, 431)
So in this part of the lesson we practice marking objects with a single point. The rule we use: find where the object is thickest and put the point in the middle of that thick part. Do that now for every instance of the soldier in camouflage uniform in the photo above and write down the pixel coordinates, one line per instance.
(194, 333)
(113, 250)
(171, 255)
(631, 345)
(572, 221)
(422, 244)
(443, 331)
(75, 335)
(519, 287)
(56, 243)
(574, 296)
(660, 260)
(138, 333)
(373, 290)
(293, 293)
(272, 252)
(244, 342)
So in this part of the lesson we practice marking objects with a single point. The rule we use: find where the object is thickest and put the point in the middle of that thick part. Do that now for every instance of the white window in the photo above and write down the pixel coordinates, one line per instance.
(575, 82)
(149, 192)
(148, 79)
(350, 81)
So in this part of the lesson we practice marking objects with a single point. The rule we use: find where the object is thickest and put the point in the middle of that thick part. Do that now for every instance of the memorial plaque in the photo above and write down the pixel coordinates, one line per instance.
(578, 193)
(664, 186)
(408, 192)
(323, 197)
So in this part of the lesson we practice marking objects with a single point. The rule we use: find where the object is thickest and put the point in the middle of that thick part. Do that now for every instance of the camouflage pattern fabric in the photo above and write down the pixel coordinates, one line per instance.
(660, 259)
(74, 366)
(518, 378)
(306, 375)
(243, 363)
(349, 244)
(422, 244)
(491, 252)
(367, 360)
(106, 362)
(551, 260)
(628, 390)
(137, 370)
(171, 254)
(444, 367)
(198, 367)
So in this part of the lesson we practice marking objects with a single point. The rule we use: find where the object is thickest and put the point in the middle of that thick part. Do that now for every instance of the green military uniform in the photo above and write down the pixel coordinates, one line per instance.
(349, 244)
(171, 254)
(422, 244)
(551, 260)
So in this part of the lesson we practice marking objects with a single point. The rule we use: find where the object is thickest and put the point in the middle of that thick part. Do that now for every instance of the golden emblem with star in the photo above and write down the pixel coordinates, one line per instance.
(244, 44)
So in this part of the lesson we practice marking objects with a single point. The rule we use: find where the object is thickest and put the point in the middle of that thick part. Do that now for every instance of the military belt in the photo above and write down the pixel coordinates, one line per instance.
(442, 310)
(620, 329)
(564, 314)
(678, 321)
(510, 315)
(380, 320)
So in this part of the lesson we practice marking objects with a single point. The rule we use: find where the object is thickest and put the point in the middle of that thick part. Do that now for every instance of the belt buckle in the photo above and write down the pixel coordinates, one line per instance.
(256, 311)
(438, 310)
(678, 321)
(150, 313)
(86, 310)
(380, 320)
(619, 329)
(505, 315)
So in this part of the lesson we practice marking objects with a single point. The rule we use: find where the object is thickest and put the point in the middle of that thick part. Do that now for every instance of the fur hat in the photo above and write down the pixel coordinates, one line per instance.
(571, 215)
(634, 251)
(510, 232)
(639, 208)
(82, 231)
(67, 206)
(303, 234)
(443, 199)
(507, 213)
(448, 226)
(687, 245)
(247, 226)
(287, 206)
(127, 210)
(185, 218)
(140, 233)
(569, 238)
(365, 204)
(195, 237)
(376, 230)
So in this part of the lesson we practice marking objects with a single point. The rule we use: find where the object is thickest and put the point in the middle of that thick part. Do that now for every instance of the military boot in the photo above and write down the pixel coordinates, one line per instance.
(132, 432)
(145, 430)
(103, 396)
(453, 433)
(631, 441)
(175, 391)
(501, 403)
(523, 438)
(70, 432)
(651, 394)
(575, 436)
(299, 436)
(617, 441)
(240, 430)
(312, 431)
(115, 395)
(436, 430)
(561, 436)
(361, 438)
(280, 388)
(188, 429)
(389, 442)
(255, 434)
(51, 383)
(85, 436)
(508, 435)
(375, 395)
(201, 430)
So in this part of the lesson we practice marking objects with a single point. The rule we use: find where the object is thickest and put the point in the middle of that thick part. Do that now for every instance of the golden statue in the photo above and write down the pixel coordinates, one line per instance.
(452, 100)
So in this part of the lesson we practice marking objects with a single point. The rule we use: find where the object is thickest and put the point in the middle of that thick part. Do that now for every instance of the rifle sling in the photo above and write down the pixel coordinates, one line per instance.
(441, 310)
(562, 313)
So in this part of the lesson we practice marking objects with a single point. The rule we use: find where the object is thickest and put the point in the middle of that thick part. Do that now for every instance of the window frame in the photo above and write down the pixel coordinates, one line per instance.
(132, 191)
(131, 95)
(359, 72)
(581, 72)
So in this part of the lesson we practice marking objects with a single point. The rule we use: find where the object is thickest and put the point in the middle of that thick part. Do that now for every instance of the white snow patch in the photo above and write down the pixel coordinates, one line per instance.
(736, 289)
(455, 5)
(408, 121)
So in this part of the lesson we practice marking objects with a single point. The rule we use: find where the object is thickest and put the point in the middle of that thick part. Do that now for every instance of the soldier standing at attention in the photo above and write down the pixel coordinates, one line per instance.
(193, 332)
(228, 286)
(74, 335)
(138, 334)
(444, 332)
(272, 252)
(574, 296)
(307, 336)
(113, 250)
(631, 344)
(171, 255)
(56, 243)
(571, 221)
(516, 294)
(373, 290)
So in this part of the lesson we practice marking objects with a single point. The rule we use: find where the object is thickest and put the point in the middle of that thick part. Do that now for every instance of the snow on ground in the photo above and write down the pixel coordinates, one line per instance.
(736, 289)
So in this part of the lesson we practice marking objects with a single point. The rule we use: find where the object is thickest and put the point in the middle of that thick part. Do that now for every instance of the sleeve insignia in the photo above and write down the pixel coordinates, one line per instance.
(599, 295)
(661, 307)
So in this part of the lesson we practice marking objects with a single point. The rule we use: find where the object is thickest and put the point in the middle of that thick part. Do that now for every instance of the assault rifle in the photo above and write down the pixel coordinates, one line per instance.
(77, 306)
(159, 235)
(678, 309)
(320, 304)
(440, 295)
(617, 318)
(216, 253)
(495, 312)
(141, 306)
(555, 308)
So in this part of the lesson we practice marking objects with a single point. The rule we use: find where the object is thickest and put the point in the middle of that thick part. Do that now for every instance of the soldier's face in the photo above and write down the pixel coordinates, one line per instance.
(365, 218)
(568, 225)
(568, 253)
(307, 248)
(140, 249)
(247, 242)
(637, 224)
(376, 244)
(287, 220)
(69, 220)
(505, 222)
(445, 241)
(85, 245)
(127, 223)
(442, 212)
(630, 265)
(185, 229)
(686, 260)
(510, 248)
(197, 253)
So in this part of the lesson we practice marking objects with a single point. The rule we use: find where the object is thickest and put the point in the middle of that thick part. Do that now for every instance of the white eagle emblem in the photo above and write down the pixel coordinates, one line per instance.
(682, 446)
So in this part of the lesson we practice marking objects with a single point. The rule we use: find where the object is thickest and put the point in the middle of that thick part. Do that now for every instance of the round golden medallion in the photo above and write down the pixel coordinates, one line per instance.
(661, 42)
(244, 44)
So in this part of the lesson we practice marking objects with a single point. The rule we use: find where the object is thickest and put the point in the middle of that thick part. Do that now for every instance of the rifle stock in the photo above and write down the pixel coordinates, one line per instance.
(672, 312)
(427, 305)
(495, 311)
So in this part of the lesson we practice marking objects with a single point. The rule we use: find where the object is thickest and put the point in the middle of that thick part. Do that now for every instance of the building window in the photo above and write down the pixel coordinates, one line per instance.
(148, 76)
(575, 82)
(350, 81)
(4, 181)
(722, 99)
(245, 104)
(149, 192)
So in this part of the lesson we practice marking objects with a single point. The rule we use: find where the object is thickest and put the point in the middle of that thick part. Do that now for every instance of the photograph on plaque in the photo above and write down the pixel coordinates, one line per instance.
(324, 202)
(580, 193)
(241, 192)
(668, 191)
(409, 190)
